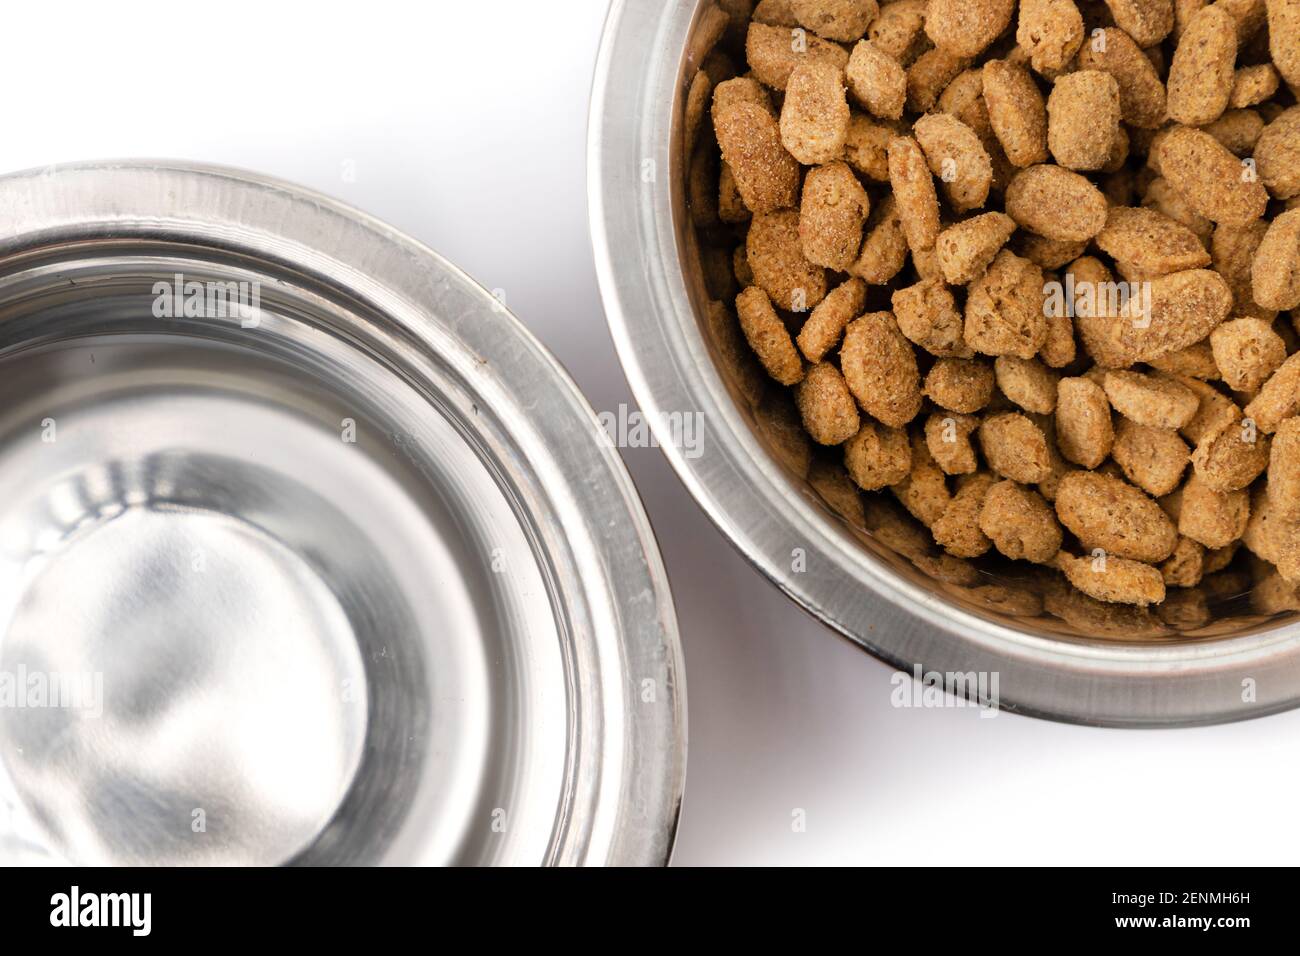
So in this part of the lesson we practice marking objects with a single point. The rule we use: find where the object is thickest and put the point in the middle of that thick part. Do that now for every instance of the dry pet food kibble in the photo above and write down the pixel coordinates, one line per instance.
(876, 80)
(1030, 273)
(815, 114)
(831, 216)
(1083, 115)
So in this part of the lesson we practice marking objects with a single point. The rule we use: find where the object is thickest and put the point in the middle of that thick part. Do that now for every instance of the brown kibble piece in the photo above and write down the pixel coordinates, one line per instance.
(877, 456)
(1083, 114)
(1279, 399)
(964, 99)
(1015, 448)
(776, 257)
(1113, 579)
(927, 315)
(966, 248)
(842, 20)
(1016, 112)
(1141, 92)
(1201, 74)
(928, 75)
(876, 80)
(1186, 566)
(966, 27)
(1212, 408)
(1247, 352)
(1051, 32)
(1056, 203)
(1275, 274)
(774, 51)
(731, 204)
(766, 175)
(1004, 308)
(880, 367)
(1084, 433)
(768, 337)
(1110, 514)
(1237, 130)
(947, 435)
(742, 89)
(955, 155)
(1093, 318)
(1058, 349)
(918, 205)
(829, 412)
(1151, 458)
(1216, 559)
(1162, 196)
(1020, 523)
(960, 385)
(1284, 470)
(1277, 154)
(1248, 19)
(1214, 183)
(1150, 242)
(924, 491)
(1027, 382)
(957, 530)
(831, 216)
(1265, 527)
(815, 115)
(1252, 85)
(1284, 38)
(825, 326)
(899, 30)
(866, 147)
(1146, 21)
(1213, 518)
(1195, 361)
(1156, 401)
(885, 249)
(1183, 308)
(1231, 455)
(1047, 253)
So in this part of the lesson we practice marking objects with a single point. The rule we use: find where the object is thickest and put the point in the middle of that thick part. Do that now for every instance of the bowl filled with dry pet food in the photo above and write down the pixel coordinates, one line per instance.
(990, 315)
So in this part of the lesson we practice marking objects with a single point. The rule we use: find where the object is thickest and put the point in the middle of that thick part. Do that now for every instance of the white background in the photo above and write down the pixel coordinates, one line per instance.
(464, 124)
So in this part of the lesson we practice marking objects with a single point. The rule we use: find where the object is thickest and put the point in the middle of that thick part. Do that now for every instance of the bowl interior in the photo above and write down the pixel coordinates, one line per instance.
(263, 566)
(1240, 597)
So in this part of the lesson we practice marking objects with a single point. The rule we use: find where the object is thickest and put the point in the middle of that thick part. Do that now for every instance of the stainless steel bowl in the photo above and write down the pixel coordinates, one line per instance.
(309, 552)
(852, 562)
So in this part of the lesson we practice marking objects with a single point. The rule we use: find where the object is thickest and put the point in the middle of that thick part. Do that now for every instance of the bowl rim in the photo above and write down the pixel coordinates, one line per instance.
(625, 762)
(641, 71)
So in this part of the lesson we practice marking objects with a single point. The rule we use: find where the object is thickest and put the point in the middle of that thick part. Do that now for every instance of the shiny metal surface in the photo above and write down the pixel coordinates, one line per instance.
(344, 575)
(1122, 669)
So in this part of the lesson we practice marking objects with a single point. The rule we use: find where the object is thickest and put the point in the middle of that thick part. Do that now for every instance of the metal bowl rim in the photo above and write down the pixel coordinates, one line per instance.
(643, 47)
(649, 784)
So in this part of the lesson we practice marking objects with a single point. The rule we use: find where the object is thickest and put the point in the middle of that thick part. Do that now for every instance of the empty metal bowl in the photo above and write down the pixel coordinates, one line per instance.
(857, 562)
(309, 552)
